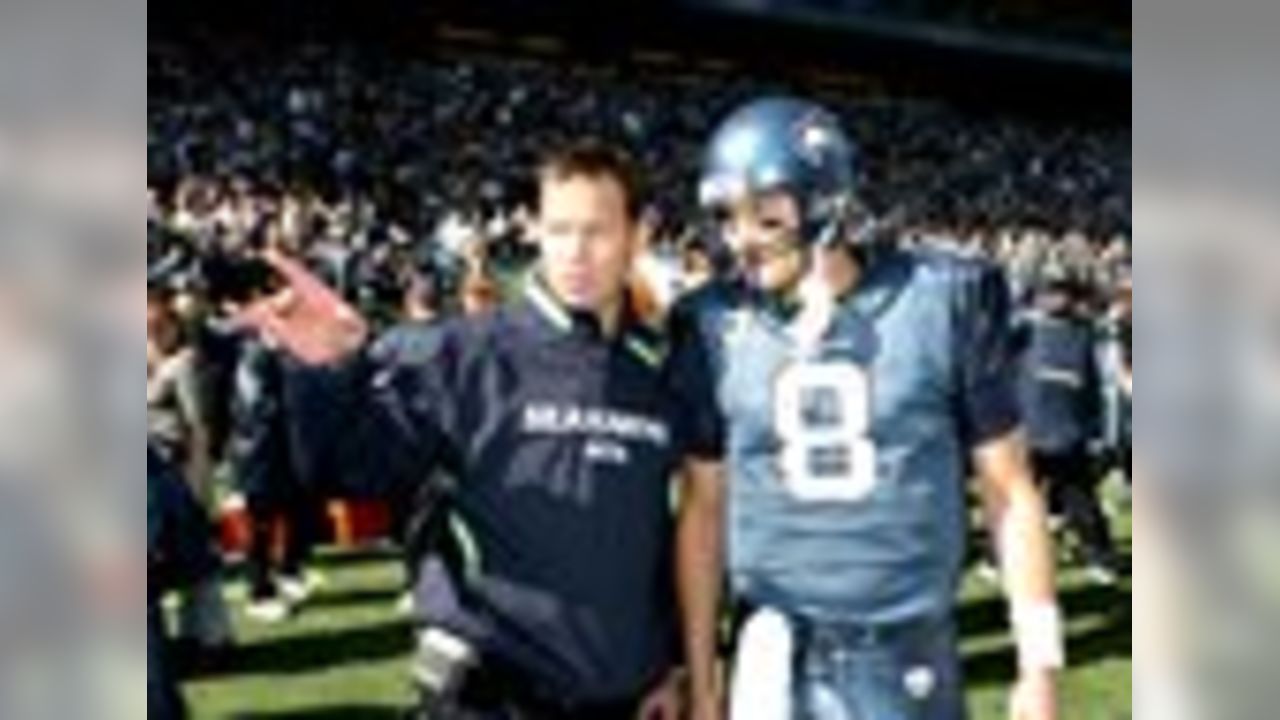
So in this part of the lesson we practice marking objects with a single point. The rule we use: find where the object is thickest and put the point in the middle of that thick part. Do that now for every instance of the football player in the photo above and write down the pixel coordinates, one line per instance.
(836, 410)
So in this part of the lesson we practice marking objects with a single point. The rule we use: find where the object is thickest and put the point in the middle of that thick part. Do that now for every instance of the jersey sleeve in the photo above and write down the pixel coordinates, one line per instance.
(699, 423)
(986, 351)
(372, 426)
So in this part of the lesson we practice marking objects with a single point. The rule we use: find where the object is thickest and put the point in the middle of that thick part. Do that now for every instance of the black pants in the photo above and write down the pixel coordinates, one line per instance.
(1126, 459)
(299, 518)
(164, 700)
(1071, 488)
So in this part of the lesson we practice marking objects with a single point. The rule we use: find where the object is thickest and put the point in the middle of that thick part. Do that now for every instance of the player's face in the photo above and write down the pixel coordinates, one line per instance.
(587, 239)
(764, 233)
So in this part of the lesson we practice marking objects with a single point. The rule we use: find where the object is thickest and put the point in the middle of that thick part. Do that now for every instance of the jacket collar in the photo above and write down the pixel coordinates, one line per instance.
(640, 340)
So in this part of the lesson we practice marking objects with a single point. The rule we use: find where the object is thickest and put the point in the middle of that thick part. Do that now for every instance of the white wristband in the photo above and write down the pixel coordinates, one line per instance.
(1038, 631)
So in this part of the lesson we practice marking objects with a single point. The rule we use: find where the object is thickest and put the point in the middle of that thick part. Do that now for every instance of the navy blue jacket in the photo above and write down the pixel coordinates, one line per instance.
(1060, 384)
(563, 443)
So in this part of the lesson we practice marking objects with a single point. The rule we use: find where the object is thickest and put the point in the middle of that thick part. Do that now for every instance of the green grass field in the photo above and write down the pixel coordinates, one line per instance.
(345, 655)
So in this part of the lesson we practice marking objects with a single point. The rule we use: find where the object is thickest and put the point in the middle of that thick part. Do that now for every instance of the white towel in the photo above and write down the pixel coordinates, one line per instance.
(762, 683)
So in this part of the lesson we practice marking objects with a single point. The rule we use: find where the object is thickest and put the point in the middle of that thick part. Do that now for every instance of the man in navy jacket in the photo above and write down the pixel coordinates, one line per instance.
(553, 416)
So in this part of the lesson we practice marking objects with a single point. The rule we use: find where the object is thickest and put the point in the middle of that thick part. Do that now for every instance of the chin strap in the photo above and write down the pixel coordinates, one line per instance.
(817, 308)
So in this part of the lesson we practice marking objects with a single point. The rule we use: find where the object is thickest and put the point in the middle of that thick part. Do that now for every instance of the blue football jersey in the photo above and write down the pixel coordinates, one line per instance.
(847, 461)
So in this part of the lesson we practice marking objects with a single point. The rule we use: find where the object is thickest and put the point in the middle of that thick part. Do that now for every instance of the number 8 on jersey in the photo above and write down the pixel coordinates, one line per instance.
(822, 415)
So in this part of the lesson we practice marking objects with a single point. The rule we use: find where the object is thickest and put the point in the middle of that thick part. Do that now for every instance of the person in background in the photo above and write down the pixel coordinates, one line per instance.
(425, 306)
(479, 292)
(1122, 362)
(175, 419)
(424, 309)
(176, 429)
(164, 699)
(179, 555)
(282, 513)
(1060, 390)
(697, 267)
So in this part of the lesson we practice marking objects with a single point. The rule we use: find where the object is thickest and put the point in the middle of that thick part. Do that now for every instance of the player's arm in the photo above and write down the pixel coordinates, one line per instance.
(1014, 510)
(1018, 524)
(700, 530)
(700, 568)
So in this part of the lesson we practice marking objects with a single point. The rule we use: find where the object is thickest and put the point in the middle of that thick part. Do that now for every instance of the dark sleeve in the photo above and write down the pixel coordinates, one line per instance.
(988, 402)
(369, 427)
(700, 426)
(257, 446)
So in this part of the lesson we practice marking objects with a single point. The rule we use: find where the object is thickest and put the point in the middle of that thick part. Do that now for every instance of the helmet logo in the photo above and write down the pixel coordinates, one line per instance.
(813, 138)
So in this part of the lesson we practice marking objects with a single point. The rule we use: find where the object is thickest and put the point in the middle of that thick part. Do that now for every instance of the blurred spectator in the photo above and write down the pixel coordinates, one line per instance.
(175, 418)
(282, 513)
(179, 556)
(1061, 395)
(415, 512)
(1120, 362)
(176, 429)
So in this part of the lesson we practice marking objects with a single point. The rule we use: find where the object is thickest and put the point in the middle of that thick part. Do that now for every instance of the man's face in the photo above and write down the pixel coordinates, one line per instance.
(764, 233)
(588, 240)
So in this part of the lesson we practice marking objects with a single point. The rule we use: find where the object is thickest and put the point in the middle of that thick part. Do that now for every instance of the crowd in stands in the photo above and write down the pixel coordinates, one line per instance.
(358, 157)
